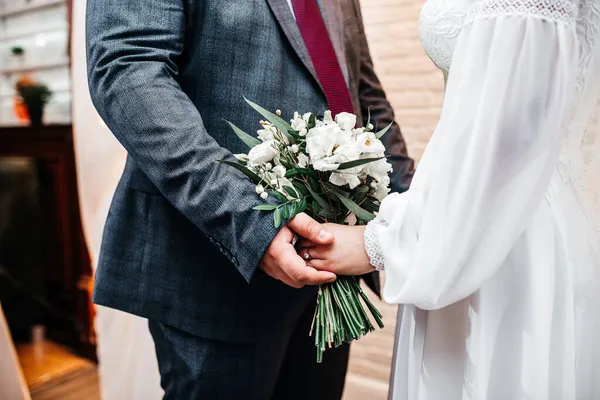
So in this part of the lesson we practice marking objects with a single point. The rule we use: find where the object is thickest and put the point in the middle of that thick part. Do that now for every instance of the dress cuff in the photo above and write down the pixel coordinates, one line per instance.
(372, 246)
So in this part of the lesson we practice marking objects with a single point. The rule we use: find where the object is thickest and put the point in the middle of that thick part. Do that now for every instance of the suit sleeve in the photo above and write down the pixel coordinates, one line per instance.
(133, 50)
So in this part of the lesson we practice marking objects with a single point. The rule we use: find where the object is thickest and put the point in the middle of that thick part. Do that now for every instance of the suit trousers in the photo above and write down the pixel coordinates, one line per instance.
(280, 365)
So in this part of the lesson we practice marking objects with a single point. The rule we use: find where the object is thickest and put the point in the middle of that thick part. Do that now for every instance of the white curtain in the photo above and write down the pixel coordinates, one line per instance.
(128, 367)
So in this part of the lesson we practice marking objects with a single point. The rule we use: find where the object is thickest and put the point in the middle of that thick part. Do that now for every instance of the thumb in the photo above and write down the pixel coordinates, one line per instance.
(308, 228)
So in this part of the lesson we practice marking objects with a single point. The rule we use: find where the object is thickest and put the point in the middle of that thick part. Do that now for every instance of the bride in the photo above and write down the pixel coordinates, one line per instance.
(494, 249)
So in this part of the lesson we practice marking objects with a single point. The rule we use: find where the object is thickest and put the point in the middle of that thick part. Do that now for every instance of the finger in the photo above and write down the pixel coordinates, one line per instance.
(315, 252)
(300, 272)
(323, 265)
(305, 244)
(310, 229)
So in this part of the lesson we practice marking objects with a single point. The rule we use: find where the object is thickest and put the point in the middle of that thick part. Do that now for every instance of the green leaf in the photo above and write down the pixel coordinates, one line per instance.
(285, 211)
(301, 188)
(279, 122)
(255, 178)
(265, 207)
(357, 163)
(370, 205)
(360, 213)
(382, 132)
(244, 137)
(290, 191)
(312, 121)
(320, 200)
(315, 207)
(290, 173)
(277, 218)
(279, 196)
(336, 189)
(302, 206)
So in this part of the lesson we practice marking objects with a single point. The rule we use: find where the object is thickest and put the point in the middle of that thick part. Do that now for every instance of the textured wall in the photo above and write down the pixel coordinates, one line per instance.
(413, 84)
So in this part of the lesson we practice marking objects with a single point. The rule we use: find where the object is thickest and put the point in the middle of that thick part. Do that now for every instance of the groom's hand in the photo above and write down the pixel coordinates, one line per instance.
(282, 262)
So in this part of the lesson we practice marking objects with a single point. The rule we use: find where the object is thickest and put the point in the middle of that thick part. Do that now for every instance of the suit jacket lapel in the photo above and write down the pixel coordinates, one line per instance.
(284, 16)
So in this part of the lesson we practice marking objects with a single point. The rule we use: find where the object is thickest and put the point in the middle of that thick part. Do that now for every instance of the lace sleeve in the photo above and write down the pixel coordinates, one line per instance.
(564, 11)
(372, 246)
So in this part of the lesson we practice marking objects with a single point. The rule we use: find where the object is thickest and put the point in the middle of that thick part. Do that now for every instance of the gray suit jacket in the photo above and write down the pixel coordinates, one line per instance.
(182, 242)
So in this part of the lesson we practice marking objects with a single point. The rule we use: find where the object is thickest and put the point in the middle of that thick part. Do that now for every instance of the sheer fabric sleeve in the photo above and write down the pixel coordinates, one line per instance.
(491, 157)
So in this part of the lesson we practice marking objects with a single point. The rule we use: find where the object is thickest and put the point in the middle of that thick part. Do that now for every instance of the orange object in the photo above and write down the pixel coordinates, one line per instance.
(21, 110)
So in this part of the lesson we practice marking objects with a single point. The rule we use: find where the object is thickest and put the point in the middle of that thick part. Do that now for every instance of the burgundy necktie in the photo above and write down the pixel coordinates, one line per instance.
(319, 46)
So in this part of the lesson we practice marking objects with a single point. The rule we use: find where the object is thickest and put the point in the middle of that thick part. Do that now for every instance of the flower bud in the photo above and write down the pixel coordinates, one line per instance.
(264, 195)
(260, 189)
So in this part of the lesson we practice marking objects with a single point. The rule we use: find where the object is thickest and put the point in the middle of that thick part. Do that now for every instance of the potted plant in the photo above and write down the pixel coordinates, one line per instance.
(34, 96)
(17, 51)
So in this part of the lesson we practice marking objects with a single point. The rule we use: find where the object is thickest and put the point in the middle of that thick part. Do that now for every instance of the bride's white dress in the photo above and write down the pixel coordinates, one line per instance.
(493, 250)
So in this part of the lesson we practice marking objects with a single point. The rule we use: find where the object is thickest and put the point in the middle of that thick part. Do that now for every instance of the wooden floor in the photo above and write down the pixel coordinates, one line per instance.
(54, 373)
(371, 359)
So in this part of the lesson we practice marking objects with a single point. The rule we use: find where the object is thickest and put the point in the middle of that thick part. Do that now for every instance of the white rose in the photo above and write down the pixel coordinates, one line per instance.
(262, 153)
(368, 143)
(302, 160)
(324, 164)
(379, 170)
(346, 121)
(320, 141)
(382, 191)
(341, 179)
(279, 171)
(265, 135)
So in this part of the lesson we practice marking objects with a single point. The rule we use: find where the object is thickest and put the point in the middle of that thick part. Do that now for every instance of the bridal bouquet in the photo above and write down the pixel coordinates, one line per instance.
(334, 172)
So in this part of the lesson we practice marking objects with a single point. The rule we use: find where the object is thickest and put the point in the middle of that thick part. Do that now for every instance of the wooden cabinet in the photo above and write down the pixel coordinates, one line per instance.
(68, 273)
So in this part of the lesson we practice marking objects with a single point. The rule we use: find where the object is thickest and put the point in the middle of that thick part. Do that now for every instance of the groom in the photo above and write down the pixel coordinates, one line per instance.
(183, 246)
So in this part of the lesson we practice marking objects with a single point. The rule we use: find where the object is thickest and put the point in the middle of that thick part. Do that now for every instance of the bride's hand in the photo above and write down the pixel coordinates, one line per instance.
(345, 256)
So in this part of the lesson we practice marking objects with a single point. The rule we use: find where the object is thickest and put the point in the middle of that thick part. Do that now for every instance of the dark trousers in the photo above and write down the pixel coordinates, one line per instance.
(280, 366)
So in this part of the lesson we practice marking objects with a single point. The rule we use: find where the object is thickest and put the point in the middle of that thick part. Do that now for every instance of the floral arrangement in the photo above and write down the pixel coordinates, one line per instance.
(334, 172)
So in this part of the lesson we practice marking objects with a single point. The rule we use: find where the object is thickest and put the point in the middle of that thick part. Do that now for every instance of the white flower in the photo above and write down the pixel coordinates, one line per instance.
(265, 134)
(382, 191)
(294, 148)
(302, 160)
(279, 171)
(324, 164)
(343, 178)
(368, 143)
(299, 124)
(264, 195)
(259, 189)
(268, 166)
(346, 121)
(322, 141)
(262, 153)
(379, 170)
(241, 157)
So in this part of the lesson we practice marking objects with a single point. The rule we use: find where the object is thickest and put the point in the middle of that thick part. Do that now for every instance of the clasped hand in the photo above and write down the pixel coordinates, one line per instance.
(324, 252)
